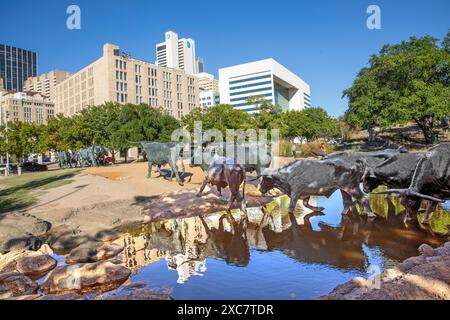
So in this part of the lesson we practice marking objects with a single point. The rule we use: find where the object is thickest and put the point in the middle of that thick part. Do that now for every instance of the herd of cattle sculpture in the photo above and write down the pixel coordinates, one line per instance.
(413, 176)
(91, 156)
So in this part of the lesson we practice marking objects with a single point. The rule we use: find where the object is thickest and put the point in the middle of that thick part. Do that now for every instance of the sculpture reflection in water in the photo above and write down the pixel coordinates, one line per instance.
(186, 244)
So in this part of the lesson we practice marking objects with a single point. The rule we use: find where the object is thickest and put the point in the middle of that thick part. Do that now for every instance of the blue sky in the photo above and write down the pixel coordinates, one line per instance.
(324, 42)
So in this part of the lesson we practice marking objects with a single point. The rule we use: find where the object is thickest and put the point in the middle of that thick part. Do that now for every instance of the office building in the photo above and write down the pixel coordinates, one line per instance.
(206, 82)
(177, 53)
(27, 107)
(16, 65)
(200, 67)
(266, 79)
(209, 98)
(117, 77)
(45, 84)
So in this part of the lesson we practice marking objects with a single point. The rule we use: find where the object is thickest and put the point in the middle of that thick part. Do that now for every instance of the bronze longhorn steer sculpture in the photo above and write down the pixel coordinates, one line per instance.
(302, 179)
(160, 154)
(430, 180)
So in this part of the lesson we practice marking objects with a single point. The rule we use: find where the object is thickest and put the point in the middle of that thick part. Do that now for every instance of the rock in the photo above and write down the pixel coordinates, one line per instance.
(443, 250)
(21, 231)
(31, 263)
(26, 297)
(80, 278)
(410, 263)
(13, 284)
(107, 235)
(426, 277)
(426, 250)
(45, 248)
(65, 241)
(94, 251)
(64, 296)
(138, 294)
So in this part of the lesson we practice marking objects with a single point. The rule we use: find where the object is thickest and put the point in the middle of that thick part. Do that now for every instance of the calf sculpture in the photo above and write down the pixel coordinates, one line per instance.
(221, 172)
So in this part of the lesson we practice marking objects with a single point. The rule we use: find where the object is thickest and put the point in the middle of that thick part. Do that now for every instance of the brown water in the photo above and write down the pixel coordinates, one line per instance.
(273, 256)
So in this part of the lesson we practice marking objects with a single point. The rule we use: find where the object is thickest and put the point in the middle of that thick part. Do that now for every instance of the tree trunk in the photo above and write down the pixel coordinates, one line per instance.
(126, 156)
(113, 156)
(426, 124)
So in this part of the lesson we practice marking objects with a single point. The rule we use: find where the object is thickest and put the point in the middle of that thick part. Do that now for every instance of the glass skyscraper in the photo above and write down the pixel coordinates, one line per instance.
(16, 65)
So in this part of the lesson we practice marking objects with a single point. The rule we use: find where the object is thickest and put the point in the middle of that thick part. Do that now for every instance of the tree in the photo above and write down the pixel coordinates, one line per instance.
(404, 82)
(219, 117)
(310, 123)
(23, 139)
(268, 116)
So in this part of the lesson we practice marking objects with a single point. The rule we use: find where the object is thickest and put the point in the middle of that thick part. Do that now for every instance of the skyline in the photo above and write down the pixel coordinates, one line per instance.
(138, 26)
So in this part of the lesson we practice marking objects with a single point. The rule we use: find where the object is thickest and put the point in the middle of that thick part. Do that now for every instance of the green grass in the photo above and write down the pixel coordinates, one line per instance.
(18, 193)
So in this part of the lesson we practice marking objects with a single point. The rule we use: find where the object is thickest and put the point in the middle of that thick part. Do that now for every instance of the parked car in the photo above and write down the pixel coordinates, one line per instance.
(34, 166)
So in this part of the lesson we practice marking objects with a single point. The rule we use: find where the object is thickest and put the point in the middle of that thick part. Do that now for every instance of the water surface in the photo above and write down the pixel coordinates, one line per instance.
(272, 256)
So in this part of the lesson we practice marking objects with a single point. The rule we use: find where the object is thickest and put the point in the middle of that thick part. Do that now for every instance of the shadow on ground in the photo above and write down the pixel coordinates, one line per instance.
(17, 197)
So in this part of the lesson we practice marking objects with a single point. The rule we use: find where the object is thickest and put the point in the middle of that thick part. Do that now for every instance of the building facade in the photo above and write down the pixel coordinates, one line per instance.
(46, 83)
(27, 107)
(200, 65)
(209, 98)
(1, 85)
(16, 65)
(117, 77)
(177, 53)
(266, 79)
(206, 82)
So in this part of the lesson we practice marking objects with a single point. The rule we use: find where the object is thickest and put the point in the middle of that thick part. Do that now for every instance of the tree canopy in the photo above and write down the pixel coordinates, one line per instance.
(310, 123)
(403, 82)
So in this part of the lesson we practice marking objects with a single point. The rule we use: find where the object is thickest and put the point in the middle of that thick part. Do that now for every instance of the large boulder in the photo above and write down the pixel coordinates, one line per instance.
(89, 277)
(138, 294)
(21, 231)
(14, 284)
(425, 277)
(93, 251)
(31, 263)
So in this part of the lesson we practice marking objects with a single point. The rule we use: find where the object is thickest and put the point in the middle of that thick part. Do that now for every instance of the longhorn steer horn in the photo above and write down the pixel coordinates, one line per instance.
(409, 193)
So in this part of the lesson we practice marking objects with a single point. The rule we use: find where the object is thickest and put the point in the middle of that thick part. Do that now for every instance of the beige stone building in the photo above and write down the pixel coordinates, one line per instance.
(46, 83)
(206, 82)
(117, 77)
(1, 85)
(29, 107)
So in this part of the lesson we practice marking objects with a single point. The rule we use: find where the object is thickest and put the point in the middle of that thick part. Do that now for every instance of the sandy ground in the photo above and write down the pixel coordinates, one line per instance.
(111, 198)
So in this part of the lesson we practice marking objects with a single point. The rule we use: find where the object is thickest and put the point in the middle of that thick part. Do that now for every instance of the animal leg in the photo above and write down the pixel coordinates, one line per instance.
(431, 207)
(232, 199)
(149, 170)
(159, 170)
(184, 168)
(363, 199)
(293, 202)
(347, 202)
(177, 176)
(219, 190)
(205, 182)
(313, 208)
(411, 207)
